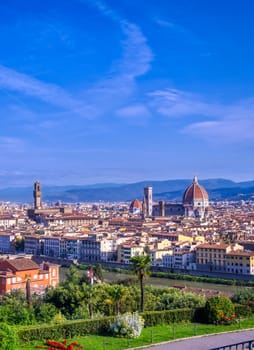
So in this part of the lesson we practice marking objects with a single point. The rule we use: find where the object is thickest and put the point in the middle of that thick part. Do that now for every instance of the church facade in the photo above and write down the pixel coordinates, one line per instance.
(195, 203)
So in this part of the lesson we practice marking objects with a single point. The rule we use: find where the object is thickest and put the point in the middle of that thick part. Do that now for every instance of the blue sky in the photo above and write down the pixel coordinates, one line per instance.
(122, 90)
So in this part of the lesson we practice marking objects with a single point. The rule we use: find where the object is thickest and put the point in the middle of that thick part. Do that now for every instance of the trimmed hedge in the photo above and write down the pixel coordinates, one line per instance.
(64, 330)
(153, 318)
(71, 329)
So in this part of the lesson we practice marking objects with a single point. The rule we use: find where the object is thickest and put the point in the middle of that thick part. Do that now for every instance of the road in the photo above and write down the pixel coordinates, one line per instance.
(206, 342)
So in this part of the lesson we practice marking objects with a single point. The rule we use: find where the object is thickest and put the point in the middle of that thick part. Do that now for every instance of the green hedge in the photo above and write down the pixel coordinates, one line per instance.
(205, 279)
(153, 318)
(64, 330)
(71, 329)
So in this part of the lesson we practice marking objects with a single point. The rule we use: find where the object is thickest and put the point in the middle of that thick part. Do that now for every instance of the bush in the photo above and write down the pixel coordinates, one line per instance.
(70, 329)
(244, 296)
(219, 309)
(128, 325)
(153, 318)
(8, 337)
(242, 310)
(64, 330)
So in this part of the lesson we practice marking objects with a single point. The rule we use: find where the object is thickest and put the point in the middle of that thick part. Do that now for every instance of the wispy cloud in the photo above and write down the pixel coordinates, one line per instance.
(225, 123)
(176, 103)
(113, 91)
(23, 84)
(27, 85)
(108, 94)
(133, 111)
(177, 28)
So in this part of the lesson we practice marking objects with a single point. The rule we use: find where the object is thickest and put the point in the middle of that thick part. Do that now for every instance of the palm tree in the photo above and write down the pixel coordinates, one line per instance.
(117, 295)
(141, 265)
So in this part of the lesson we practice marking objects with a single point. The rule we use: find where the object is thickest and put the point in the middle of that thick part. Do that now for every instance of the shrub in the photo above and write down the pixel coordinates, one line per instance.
(8, 337)
(68, 329)
(153, 318)
(219, 309)
(242, 310)
(128, 325)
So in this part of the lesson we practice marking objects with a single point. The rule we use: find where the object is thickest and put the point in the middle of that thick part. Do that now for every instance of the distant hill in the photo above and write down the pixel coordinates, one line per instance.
(170, 190)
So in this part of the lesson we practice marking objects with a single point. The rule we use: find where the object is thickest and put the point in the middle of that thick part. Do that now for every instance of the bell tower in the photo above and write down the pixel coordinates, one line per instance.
(148, 200)
(37, 195)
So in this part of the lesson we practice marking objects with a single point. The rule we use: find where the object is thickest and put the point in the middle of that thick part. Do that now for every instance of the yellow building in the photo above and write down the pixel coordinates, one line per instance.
(213, 257)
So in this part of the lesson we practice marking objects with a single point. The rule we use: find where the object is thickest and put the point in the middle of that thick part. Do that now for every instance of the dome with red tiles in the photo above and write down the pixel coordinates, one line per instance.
(195, 193)
(136, 206)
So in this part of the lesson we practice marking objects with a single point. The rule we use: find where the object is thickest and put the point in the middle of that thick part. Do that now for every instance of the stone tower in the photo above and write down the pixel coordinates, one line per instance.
(37, 195)
(148, 200)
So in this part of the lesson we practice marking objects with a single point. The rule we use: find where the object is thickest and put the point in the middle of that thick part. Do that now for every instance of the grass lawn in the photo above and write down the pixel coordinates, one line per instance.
(151, 335)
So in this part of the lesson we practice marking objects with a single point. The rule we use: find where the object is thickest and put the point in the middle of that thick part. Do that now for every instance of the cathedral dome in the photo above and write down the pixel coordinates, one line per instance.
(195, 193)
(136, 206)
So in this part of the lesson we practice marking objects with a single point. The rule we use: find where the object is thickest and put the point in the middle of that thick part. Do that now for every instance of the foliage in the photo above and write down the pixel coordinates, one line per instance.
(141, 265)
(52, 344)
(242, 310)
(220, 309)
(19, 243)
(98, 272)
(153, 318)
(45, 312)
(8, 337)
(244, 296)
(65, 298)
(67, 329)
(128, 325)
(72, 277)
(176, 299)
(70, 329)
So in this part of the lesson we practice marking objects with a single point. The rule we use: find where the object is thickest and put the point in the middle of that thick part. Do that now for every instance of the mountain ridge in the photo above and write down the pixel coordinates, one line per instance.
(171, 190)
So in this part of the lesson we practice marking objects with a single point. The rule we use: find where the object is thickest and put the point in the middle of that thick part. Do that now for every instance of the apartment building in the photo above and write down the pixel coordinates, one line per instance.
(127, 251)
(52, 246)
(6, 240)
(15, 272)
(212, 257)
(240, 262)
(7, 221)
(33, 244)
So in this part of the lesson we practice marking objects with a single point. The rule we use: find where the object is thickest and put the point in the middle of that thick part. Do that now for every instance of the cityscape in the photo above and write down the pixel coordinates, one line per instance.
(126, 179)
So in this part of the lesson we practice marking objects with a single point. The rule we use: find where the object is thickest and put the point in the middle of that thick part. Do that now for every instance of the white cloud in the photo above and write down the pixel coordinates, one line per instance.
(25, 84)
(177, 28)
(225, 123)
(113, 91)
(133, 111)
(177, 103)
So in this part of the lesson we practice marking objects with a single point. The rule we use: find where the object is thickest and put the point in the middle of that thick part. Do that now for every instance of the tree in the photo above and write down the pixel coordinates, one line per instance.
(117, 294)
(98, 271)
(141, 265)
(72, 277)
(219, 309)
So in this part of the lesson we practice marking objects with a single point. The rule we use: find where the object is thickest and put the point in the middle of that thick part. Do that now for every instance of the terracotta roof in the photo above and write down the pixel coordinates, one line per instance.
(22, 264)
(194, 192)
